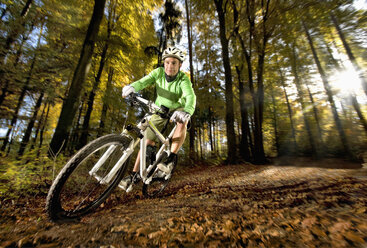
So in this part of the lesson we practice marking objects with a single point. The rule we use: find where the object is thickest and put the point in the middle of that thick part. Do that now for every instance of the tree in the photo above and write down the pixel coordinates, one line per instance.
(25, 88)
(16, 28)
(350, 54)
(112, 19)
(28, 132)
(301, 99)
(329, 93)
(170, 32)
(231, 137)
(189, 35)
(70, 105)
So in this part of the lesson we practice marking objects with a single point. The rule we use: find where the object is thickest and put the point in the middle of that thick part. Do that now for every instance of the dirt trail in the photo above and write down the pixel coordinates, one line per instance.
(239, 205)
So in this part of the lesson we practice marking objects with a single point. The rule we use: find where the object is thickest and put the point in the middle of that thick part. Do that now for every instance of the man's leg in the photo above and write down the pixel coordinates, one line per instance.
(178, 137)
(130, 178)
(137, 161)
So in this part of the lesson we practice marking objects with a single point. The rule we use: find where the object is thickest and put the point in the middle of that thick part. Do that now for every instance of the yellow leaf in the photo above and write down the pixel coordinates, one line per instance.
(361, 210)
(353, 237)
(155, 234)
(318, 232)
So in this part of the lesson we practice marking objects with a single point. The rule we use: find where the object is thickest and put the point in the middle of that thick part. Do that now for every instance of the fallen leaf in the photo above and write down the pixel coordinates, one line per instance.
(308, 222)
(361, 210)
(353, 237)
(318, 232)
(339, 227)
(154, 235)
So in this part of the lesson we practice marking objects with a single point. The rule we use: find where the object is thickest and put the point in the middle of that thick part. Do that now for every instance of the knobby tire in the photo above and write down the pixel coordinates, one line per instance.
(55, 207)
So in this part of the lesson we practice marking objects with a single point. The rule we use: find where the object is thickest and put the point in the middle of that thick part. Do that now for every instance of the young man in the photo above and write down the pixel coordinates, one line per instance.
(174, 91)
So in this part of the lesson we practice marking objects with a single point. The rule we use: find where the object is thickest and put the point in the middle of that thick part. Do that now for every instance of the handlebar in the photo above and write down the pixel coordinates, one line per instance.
(163, 111)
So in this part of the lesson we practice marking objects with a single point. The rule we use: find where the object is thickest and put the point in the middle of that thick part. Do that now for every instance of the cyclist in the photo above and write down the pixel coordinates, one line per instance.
(174, 90)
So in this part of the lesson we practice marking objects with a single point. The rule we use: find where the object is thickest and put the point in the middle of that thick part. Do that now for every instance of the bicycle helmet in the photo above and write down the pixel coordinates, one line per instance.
(175, 53)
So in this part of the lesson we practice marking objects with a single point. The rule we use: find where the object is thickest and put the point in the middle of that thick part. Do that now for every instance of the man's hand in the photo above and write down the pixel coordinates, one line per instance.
(180, 116)
(127, 90)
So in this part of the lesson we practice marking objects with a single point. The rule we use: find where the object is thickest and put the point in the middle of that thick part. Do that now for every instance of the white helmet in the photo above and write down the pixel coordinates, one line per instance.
(174, 52)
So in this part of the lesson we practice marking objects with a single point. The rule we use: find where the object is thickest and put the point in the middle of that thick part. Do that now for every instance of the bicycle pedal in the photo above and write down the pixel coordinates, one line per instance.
(129, 189)
(148, 180)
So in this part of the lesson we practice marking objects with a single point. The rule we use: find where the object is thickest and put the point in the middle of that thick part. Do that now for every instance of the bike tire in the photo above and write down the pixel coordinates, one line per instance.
(65, 200)
(157, 185)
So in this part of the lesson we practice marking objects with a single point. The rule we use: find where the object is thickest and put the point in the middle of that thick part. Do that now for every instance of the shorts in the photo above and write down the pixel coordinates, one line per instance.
(159, 122)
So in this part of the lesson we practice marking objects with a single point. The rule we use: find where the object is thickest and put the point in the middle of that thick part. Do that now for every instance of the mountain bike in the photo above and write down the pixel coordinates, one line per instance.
(91, 175)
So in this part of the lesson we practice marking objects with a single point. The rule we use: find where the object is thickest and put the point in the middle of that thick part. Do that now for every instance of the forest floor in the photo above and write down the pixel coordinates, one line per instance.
(291, 203)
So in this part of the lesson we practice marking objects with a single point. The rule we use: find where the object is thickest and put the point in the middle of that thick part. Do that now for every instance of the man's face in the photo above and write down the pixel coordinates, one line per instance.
(171, 66)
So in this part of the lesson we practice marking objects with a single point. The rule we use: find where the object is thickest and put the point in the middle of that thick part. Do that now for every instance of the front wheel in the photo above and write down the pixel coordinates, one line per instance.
(75, 192)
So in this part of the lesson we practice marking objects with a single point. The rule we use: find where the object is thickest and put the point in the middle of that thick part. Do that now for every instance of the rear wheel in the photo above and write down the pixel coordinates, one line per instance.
(158, 183)
(75, 192)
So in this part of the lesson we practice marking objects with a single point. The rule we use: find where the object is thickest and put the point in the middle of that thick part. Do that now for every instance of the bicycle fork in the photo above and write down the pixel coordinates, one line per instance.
(107, 179)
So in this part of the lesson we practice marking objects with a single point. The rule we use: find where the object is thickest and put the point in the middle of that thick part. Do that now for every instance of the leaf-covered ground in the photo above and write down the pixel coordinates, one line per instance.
(297, 203)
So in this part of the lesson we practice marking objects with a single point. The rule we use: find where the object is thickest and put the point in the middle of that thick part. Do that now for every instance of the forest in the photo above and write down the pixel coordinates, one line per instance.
(273, 79)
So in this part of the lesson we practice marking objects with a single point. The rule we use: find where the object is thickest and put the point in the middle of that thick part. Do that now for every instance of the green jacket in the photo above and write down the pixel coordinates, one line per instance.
(176, 94)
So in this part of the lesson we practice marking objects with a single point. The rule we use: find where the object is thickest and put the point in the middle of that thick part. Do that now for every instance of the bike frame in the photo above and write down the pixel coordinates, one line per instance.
(143, 126)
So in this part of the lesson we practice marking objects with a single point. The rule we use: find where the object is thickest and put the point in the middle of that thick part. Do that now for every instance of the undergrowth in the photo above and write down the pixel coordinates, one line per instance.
(28, 176)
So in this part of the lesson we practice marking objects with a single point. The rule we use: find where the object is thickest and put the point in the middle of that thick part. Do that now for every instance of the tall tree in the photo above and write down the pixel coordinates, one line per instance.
(301, 99)
(350, 54)
(28, 132)
(105, 105)
(16, 28)
(71, 104)
(25, 88)
(245, 129)
(170, 32)
(290, 114)
(189, 38)
(231, 137)
(329, 93)
(112, 18)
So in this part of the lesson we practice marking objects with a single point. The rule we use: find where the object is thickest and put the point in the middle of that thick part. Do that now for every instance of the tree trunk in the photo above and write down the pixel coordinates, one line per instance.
(200, 144)
(350, 53)
(245, 129)
(210, 121)
(259, 156)
(14, 32)
(193, 118)
(303, 106)
(85, 132)
(71, 104)
(38, 129)
(30, 126)
(290, 114)
(339, 126)
(5, 87)
(257, 147)
(105, 102)
(22, 94)
(275, 122)
(231, 137)
(359, 112)
(44, 124)
(317, 119)
(352, 96)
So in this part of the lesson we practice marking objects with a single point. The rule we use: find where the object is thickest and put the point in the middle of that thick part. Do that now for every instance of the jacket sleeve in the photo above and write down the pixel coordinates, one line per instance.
(189, 95)
(146, 81)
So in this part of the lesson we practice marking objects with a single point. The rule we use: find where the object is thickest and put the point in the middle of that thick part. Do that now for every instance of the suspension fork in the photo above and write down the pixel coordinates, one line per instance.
(107, 179)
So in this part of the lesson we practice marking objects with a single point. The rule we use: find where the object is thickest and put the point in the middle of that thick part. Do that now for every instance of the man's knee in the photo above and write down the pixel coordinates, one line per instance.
(150, 142)
(182, 126)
